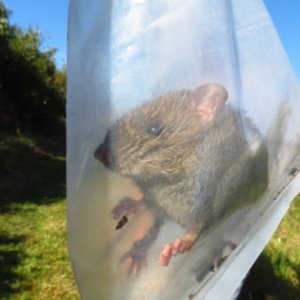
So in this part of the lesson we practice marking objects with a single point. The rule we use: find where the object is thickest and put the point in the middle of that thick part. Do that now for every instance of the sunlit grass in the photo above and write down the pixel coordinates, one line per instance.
(276, 273)
(35, 237)
(284, 248)
(33, 248)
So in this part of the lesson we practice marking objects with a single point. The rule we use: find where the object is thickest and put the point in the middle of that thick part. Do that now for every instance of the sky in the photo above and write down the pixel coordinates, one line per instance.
(50, 16)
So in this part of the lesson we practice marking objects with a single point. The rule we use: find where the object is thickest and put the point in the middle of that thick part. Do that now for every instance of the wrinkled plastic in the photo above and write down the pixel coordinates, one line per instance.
(123, 54)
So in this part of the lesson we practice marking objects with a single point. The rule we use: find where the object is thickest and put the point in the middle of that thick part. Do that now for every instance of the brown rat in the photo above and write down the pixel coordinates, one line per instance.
(186, 152)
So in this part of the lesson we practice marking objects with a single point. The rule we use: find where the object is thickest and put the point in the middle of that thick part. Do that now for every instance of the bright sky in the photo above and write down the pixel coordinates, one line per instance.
(51, 18)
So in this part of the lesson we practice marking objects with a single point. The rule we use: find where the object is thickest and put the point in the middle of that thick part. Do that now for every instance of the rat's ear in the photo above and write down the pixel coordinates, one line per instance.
(209, 100)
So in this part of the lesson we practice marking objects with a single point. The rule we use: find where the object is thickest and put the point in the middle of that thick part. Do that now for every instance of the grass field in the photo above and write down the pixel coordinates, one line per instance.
(33, 253)
(276, 273)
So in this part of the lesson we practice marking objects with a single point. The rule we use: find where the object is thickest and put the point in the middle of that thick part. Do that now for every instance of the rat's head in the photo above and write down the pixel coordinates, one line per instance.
(154, 141)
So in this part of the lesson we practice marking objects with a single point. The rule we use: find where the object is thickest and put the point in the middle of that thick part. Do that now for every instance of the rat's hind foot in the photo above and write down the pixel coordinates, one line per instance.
(138, 258)
(139, 250)
(169, 250)
(127, 207)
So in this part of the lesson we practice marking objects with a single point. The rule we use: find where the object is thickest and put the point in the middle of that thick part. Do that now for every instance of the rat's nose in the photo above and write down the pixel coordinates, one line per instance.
(101, 153)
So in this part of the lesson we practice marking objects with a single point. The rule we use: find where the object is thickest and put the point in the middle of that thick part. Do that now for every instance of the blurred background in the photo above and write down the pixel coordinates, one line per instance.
(33, 249)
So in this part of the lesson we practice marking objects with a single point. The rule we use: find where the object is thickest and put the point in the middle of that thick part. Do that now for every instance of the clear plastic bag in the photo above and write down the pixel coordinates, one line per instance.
(182, 132)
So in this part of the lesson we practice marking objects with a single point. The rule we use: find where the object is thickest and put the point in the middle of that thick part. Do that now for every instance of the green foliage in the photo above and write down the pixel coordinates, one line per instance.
(32, 90)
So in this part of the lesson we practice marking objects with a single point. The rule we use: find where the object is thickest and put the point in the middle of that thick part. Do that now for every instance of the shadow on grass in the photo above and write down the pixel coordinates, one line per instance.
(32, 170)
(263, 284)
(9, 260)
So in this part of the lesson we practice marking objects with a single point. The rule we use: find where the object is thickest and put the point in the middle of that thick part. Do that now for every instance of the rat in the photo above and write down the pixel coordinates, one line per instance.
(188, 155)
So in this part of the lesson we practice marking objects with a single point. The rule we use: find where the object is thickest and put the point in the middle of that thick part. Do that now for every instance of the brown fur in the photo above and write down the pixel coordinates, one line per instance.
(197, 167)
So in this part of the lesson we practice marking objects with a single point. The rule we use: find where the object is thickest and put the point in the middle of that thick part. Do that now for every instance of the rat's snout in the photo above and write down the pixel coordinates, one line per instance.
(101, 153)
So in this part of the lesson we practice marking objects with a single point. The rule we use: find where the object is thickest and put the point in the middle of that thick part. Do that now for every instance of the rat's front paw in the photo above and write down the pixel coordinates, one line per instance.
(169, 250)
(127, 207)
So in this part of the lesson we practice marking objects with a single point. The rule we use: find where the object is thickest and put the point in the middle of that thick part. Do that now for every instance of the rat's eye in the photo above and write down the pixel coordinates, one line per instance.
(155, 129)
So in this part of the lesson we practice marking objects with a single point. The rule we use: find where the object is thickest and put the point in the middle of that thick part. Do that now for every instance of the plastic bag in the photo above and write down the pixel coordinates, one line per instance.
(139, 72)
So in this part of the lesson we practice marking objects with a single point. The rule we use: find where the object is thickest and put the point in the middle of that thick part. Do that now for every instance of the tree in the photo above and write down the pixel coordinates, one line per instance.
(32, 90)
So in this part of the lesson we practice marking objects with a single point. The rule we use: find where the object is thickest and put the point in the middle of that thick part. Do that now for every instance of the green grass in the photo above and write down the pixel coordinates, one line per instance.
(33, 252)
(276, 273)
